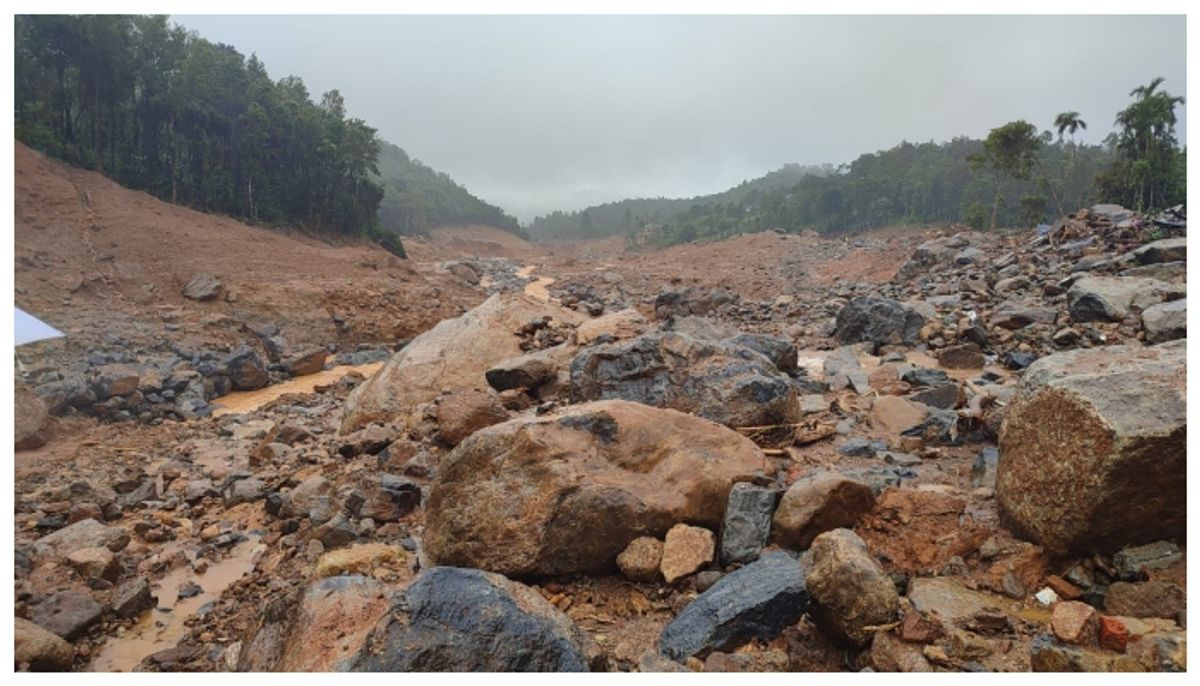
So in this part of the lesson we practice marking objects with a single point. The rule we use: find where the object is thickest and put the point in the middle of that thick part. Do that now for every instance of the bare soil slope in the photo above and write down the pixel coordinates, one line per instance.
(90, 253)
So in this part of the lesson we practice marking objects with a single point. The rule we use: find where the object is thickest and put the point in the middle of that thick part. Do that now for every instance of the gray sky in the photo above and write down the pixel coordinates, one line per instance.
(543, 113)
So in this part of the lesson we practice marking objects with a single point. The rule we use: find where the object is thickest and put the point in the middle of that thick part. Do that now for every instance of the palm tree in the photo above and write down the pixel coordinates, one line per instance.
(1069, 122)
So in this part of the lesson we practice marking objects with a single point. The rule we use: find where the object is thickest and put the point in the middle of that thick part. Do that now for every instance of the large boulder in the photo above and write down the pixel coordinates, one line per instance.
(567, 492)
(30, 417)
(455, 354)
(1112, 298)
(1093, 448)
(757, 601)
(878, 321)
(1165, 250)
(451, 619)
(724, 381)
(850, 591)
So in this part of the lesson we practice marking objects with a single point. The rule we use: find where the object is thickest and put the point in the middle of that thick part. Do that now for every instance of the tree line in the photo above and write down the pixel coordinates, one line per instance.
(623, 216)
(160, 109)
(1015, 176)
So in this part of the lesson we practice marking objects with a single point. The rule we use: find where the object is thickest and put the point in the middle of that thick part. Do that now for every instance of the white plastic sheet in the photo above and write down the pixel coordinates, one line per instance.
(28, 328)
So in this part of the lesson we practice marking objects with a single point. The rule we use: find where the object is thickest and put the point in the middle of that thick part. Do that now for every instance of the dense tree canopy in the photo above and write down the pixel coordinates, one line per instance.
(194, 122)
(1150, 170)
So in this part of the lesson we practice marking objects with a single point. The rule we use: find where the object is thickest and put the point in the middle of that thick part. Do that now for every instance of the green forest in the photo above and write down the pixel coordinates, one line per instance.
(417, 198)
(1015, 177)
(160, 109)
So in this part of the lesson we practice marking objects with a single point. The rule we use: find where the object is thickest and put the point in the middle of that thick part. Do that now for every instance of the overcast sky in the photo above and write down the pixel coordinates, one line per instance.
(543, 113)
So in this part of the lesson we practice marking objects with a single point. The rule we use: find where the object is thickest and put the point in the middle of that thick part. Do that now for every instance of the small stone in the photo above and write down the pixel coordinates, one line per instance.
(360, 559)
(1046, 596)
(641, 559)
(1129, 562)
(190, 589)
(818, 504)
(705, 579)
(202, 286)
(917, 629)
(685, 550)
(95, 563)
(1114, 635)
(962, 356)
(895, 415)
(132, 597)
(1065, 589)
(1075, 622)
(747, 524)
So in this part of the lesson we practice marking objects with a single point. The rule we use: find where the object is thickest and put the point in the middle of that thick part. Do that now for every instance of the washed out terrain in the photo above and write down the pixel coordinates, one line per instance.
(909, 449)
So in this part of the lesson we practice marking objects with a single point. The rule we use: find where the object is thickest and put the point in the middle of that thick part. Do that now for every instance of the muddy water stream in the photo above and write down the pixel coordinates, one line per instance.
(162, 627)
(538, 287)
(240, 402)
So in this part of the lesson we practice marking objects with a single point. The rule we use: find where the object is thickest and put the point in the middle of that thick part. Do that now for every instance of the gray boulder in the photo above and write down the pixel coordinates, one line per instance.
(879, 321)
(453, 619)
(721, 381)
(1111, 298)
(1165, 321)
(757, 601)
(1165, 250)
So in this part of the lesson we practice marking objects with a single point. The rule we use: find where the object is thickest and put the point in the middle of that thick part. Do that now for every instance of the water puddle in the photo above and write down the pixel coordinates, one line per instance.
(241, 402)
(161, 628)
(538, 287)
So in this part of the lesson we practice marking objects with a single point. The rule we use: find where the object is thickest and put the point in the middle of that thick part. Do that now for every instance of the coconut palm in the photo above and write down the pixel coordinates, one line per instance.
(1069, 122)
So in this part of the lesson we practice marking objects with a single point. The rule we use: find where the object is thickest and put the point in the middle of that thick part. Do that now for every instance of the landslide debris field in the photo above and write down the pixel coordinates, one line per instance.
(917, 450)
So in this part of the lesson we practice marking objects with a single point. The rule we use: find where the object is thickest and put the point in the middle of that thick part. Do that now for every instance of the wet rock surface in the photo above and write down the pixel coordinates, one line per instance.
(759, 601)
(467, 620)
(817, 385)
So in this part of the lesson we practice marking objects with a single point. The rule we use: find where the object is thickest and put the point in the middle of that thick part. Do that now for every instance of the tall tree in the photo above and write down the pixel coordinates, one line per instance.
(1149, 173)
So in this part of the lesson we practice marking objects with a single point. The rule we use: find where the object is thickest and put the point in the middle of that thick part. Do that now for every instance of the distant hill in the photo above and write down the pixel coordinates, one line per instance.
(911, 183)
(417, 198)
(623, 216)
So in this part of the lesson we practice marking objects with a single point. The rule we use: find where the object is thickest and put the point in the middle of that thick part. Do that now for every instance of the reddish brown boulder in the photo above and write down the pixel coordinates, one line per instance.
(462, 413)
(817, 504)
(567, 492)
(1093, 447)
